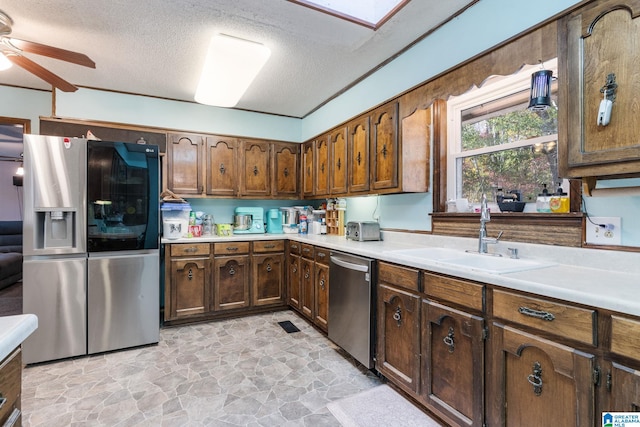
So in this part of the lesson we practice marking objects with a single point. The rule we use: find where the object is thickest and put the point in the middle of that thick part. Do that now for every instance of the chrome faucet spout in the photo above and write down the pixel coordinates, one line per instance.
(485, 217)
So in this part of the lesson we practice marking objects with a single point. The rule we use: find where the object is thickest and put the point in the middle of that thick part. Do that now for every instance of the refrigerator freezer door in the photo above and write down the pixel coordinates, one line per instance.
(123, 300)
(54, 290)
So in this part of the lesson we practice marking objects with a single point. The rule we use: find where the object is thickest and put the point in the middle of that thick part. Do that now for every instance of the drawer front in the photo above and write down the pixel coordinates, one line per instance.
(322, 256)
(10, 383)
(307, 251)
(553, 317)
(268, 246)
(467, 294)
(188, 249)
(231, 248)
(406, 277)
(295, 247)
(625, 336)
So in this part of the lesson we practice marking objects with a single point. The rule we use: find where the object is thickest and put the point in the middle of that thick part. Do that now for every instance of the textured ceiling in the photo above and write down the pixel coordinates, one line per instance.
(156, 47)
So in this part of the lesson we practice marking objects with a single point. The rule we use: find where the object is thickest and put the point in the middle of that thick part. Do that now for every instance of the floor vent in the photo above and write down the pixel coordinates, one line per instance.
(288, 326)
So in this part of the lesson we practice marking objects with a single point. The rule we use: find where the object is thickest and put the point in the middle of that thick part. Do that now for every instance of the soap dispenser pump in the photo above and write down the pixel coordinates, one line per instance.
(559, 202)
(542, 202)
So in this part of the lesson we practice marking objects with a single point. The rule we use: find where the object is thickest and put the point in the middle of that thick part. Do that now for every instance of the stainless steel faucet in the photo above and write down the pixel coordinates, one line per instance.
(485, 217)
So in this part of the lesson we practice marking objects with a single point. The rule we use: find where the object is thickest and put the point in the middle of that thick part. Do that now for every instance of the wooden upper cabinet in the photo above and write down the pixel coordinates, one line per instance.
(222, 166)
(185, 163)
(338, 156)
(595, 41)
(358, 145)
(321, 166)
(285, 169)
(308, 168)
(254, 172)
(417, 132)
(384, 146)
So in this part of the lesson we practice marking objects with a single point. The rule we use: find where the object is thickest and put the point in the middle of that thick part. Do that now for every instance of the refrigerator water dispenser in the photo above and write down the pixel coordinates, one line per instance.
(58, 229)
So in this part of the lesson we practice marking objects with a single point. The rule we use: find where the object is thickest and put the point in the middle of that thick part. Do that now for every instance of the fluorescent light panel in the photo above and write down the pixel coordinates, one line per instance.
(230, 67)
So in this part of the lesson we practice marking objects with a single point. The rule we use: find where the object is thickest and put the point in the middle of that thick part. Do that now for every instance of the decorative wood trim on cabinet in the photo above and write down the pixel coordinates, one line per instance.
(183, 152)
(358, 145)
(338, 160)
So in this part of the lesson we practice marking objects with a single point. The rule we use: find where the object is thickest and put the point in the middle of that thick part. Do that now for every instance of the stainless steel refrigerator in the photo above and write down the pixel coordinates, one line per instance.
(91, 246)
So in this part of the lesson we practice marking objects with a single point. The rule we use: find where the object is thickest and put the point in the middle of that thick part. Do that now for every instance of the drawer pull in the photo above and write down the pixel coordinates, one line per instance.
(538, 314)
(397, 316)
(449, 341)
(322, 255)
(269, 246)
(535, 379)
(306, 250)
(232, 248)
(294, 246)
(192, 249)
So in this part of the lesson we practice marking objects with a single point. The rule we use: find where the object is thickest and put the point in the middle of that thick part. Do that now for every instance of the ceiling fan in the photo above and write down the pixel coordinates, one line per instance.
(13, 48)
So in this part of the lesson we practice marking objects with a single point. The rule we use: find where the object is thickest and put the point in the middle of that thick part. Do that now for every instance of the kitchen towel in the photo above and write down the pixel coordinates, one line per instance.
(380, 406)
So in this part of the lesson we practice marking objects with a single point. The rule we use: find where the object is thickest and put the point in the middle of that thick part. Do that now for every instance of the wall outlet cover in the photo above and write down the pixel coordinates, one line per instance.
(610, 234)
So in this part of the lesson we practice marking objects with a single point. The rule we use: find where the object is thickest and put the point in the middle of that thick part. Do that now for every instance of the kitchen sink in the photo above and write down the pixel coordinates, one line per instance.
(471, 261)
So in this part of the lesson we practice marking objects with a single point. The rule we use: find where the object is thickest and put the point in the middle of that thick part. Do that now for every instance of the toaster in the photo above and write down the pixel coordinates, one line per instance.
(363, 230)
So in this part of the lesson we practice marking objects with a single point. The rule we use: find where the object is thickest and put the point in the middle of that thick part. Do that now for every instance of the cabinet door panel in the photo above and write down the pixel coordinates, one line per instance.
(255, 180)
(623, 384)
(321, 296)
(384, 142)
(185, 164)
(268, 279)
(307, 286)
(308, 168)
(231, 284)
(338, 150)
(294, 289)
(541, 382)
(322, 167)
(190, 279)
(453, 362)
(359, 155)
(222, 169)
(398, 351)
(285, 175)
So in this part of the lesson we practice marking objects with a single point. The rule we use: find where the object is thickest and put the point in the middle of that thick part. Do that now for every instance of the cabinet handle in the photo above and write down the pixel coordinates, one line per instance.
(269, 246)
(535, 379)
(322, 255)
(190, 276)
(322, 284)
(359, 158)
(384, 151)
(339, 164)
(538, 314)
(268, 268)
(192, 249)
(322, 167)
(294, 246)
(609, 381)
(222, 169)
(397, 316)
(286, 172)
(231, 271)
(295, 269)
(255, 170)
(232, 248)
(448, 340)
(306, 274)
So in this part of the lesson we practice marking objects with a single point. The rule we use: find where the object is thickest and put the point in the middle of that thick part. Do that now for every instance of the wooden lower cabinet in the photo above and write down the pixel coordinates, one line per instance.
(538, 382)
(188, 273)
(11, 389)
(231, 282)
(321, 289)
(398, 340)
(452, 359)
(268, 279)
(294, 283)
(622, 387)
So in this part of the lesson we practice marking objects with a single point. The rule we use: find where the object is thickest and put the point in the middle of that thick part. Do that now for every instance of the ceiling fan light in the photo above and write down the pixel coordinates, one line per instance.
(230, 67)
(5, 64)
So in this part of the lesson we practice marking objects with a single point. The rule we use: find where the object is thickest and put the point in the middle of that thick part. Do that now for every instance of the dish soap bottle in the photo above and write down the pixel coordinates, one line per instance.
(559, 202)
(542, 202)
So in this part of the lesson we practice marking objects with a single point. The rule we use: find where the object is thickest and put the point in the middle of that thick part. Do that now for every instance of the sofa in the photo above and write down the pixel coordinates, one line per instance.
(10, 252)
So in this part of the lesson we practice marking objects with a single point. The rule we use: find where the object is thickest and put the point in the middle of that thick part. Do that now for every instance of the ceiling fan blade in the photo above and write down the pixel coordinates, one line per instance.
(52, 52)
(41, 72)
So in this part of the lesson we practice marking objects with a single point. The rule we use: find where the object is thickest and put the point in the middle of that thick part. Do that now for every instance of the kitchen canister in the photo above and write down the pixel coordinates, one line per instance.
(172, 228)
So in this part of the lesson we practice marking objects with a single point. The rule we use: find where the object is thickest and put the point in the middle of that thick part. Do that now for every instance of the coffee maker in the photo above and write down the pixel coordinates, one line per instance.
(274, 221)
(255, 224)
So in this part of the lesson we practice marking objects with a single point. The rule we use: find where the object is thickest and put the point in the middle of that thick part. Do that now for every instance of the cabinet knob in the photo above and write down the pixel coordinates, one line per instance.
(535, 379)
(397, 316)
(359, 158)
(190, 274)
(286, 172)
(255, 170)
(268, 267)
(384, 151)
(222, 169)
(449, 341)
(295, 269)
(306, 274)
(322, 284)
(232, 271)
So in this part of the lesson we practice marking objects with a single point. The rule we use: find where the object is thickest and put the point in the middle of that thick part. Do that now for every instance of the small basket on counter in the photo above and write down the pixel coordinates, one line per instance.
(511, 201)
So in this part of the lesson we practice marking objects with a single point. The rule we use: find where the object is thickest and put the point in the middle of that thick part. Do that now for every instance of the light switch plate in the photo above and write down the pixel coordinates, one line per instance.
(607, 235)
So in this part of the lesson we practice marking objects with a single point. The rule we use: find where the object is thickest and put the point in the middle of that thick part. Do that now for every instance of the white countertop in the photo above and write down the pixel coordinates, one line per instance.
(14, 330)
(599, 278)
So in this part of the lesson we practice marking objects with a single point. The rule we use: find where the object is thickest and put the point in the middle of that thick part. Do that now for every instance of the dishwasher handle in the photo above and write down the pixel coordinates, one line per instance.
(349, 265)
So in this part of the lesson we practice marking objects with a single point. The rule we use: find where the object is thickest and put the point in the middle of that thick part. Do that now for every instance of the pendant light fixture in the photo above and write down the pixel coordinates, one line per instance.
(540, 98)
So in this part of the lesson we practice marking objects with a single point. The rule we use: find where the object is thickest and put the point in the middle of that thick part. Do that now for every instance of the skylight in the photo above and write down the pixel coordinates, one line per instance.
(371, 13)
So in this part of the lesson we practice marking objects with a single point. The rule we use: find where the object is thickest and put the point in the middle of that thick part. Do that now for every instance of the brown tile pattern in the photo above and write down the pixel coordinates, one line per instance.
(239, 372)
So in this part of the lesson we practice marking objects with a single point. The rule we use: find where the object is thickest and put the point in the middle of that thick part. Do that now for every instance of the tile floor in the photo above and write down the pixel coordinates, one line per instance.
(238, 372)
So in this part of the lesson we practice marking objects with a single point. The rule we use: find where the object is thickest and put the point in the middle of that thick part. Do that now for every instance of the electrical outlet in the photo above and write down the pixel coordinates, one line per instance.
(607, 235)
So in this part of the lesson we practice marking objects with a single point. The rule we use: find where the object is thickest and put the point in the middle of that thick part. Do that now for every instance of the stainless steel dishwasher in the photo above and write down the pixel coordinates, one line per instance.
(351, 305)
